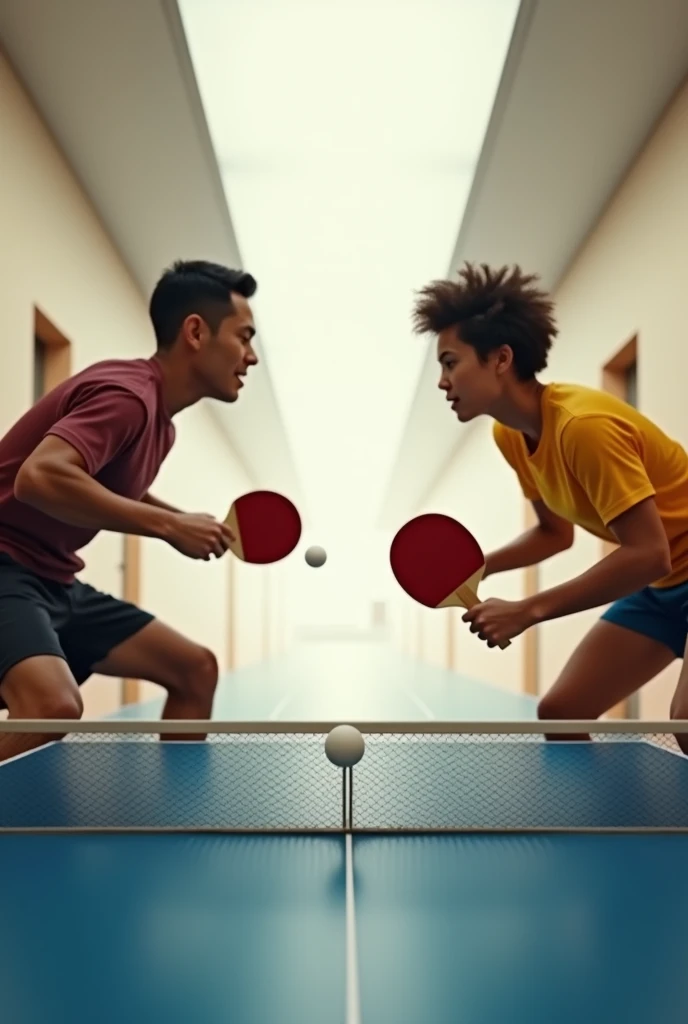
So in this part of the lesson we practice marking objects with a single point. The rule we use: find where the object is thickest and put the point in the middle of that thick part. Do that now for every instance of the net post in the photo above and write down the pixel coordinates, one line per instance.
(347, 798)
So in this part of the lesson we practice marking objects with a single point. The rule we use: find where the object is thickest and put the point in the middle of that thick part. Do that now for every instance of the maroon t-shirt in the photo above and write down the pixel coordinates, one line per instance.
(113, 414)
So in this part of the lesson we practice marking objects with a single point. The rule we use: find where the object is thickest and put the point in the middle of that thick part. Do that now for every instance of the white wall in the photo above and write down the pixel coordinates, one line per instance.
(628, 278)
(54, 253)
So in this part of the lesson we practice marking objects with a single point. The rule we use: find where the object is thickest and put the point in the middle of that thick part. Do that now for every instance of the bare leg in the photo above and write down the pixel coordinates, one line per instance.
(38, 687)
(161, 655)
(609, 664)
(679, 703)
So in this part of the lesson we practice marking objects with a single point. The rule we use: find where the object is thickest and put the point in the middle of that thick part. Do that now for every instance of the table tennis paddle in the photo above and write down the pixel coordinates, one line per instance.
(438, 562)
(267, 527)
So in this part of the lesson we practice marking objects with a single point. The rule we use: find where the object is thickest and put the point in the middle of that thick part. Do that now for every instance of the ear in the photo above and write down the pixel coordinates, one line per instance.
(192, 331)
(504, 359)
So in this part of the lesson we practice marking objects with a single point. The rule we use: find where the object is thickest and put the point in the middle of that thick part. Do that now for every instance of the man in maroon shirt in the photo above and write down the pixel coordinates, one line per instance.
(82, 460)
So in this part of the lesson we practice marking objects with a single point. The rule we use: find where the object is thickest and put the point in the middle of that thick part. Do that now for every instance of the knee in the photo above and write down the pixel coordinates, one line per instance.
(679, 707)
(198, 673)
(50, 692)
(551, 707)
(66, 704)
(555, 708)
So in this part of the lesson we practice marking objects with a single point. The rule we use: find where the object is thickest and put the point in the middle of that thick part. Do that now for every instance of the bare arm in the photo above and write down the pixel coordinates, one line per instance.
(150, 499)
(551, 535)
(54, 480)
(642, 557)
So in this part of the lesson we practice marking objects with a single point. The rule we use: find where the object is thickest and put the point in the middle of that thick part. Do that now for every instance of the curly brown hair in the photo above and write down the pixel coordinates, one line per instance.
(490, 308)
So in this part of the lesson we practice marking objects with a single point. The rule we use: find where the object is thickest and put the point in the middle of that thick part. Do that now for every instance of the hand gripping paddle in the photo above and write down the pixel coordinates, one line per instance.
(267, 527)
(438, 562)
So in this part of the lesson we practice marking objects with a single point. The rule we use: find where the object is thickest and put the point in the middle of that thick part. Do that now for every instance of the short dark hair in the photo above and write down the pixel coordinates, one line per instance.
(489, 308)
(195, 286)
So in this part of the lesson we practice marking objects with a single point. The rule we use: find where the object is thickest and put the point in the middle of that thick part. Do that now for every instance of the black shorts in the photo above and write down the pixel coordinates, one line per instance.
(72, 621)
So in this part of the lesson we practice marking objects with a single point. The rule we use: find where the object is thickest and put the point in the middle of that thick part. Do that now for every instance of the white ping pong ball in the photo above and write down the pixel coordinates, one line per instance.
(316, 556)
(344, 746)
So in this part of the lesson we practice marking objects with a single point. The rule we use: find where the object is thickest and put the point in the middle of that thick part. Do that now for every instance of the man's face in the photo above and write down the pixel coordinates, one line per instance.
(223, 358)
(471, 386)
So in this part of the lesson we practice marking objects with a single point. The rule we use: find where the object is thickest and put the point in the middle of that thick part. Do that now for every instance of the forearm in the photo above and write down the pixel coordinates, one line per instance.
(532, 547)
(622, 572)
(157, 503)
(67, 493)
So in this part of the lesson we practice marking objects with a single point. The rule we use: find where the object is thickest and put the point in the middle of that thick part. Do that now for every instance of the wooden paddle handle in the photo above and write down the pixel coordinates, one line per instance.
(232, 522)
(468, 598)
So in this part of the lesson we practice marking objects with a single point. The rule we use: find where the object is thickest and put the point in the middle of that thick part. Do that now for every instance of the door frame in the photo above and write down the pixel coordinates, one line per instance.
(56, 351)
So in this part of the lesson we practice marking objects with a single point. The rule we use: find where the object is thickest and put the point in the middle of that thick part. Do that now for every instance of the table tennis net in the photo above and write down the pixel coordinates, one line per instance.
(276, 778)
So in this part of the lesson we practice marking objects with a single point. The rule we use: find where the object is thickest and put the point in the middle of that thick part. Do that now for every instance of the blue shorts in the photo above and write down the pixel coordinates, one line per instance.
(658, 612)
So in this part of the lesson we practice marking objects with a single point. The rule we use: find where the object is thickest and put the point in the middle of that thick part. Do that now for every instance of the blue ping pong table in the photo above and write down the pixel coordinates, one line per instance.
(464, 872)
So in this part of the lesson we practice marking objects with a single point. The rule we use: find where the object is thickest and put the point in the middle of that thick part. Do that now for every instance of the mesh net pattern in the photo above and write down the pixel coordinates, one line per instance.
(410, 781)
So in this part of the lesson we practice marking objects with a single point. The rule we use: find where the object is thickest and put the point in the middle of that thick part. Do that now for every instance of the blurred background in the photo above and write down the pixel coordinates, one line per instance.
(344, 154)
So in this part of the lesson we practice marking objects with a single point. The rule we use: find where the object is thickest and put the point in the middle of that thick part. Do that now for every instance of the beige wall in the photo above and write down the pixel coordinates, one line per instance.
(628, 278)
(54, 253)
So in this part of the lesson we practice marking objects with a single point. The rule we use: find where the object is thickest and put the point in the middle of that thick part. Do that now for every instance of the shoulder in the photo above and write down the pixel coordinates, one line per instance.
(132, 382)
(136, 375)
(580, 413)
(574, 403)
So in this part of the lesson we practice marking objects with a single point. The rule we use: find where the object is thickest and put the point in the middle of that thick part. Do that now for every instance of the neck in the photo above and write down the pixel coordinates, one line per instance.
(179, 389)
(521, 409)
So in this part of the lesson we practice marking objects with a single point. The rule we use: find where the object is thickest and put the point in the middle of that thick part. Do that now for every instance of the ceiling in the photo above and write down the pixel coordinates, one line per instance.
(583, 84)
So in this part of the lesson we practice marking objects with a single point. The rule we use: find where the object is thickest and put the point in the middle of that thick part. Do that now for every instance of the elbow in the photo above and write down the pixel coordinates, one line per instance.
(661, 562)
(653, 563)
(29, 484)
(563, 538)
(567, 539)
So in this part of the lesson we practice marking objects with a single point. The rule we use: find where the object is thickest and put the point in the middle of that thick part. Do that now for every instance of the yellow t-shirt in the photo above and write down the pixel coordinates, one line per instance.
(597, 457)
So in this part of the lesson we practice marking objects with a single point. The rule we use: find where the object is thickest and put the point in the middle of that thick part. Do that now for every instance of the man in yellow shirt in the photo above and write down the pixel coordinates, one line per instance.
(583, 458)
